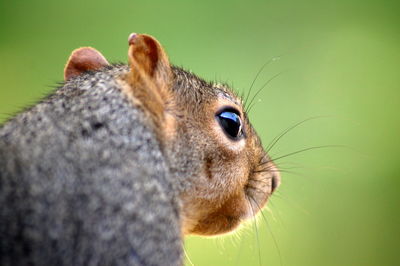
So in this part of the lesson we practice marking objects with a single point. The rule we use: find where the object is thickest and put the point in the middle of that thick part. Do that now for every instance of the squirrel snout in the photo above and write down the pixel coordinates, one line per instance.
(275, 179)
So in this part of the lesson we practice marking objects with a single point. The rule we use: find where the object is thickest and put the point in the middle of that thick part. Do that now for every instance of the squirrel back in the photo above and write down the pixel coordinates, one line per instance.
(79, 174)
(121, 161)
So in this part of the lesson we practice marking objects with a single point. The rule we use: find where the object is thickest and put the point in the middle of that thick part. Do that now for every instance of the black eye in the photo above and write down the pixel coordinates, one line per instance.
(231, 123)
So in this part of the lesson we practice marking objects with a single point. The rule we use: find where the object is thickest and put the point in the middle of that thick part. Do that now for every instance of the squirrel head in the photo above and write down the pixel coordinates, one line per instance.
(223, 174)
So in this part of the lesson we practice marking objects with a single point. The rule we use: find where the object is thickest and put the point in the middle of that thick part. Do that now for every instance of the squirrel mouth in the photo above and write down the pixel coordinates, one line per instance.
(259, 188)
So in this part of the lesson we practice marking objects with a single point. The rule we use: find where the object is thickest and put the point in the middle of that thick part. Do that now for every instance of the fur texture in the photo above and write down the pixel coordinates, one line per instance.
(78, 177)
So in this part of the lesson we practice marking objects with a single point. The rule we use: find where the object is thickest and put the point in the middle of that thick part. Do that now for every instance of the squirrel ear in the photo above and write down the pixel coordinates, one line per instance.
(150, 73)
(82, 60)
(149, 63)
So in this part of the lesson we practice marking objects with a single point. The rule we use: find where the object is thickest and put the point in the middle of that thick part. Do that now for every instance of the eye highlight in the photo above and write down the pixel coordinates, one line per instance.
(231, 123)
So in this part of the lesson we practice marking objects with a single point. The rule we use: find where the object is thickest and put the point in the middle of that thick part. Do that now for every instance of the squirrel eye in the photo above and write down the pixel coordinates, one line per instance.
(231, 124)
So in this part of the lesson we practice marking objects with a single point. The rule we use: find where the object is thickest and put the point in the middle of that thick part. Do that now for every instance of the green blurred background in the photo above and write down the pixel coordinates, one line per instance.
(339, 59)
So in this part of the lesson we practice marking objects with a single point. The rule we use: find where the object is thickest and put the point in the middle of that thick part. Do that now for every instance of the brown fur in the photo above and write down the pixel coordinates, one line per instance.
(231, 191)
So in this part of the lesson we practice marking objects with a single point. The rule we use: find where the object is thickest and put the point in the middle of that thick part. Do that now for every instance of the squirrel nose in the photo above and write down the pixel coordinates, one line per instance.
(275, 180)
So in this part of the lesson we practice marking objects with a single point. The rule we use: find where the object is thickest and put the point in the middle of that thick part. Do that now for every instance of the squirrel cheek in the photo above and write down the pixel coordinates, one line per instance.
(217, 219)
(218, 204)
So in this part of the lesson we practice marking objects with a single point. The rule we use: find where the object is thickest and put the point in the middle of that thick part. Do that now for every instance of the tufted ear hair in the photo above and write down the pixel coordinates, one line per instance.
(82, 60)
(150, 73)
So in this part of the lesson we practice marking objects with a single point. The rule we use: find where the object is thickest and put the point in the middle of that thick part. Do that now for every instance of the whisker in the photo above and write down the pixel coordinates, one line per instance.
(258, 190)
(282, 134)
(277, 212)
(307, 149)
(256, 229)
(279, 171)
(269, 229)
(292, 203)
(277, 167)
(270, 170)
(259, 90)
(187, 256)
(258, 74)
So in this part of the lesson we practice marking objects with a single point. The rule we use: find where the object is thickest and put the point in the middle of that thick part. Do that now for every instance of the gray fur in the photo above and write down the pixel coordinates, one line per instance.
(83, 181)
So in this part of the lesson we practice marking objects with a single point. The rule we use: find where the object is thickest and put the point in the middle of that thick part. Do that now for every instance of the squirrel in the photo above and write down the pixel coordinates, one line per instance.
(122, 161)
